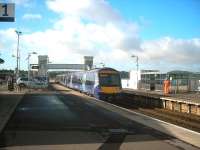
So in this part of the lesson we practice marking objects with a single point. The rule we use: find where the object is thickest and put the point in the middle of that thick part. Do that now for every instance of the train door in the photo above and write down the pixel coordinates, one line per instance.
(70, 82)
(152, 82)
(83, 82)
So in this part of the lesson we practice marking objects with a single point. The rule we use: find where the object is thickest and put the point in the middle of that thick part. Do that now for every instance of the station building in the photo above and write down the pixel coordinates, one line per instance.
(180, 81)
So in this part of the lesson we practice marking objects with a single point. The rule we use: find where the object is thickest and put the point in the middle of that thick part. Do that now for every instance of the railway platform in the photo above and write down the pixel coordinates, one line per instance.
(182, 102)
(70, 118)
(186, 135)
(8, 103)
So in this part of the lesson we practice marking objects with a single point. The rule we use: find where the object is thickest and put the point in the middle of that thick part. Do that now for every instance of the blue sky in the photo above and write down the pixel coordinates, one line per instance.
(164, 34)
(176, 18)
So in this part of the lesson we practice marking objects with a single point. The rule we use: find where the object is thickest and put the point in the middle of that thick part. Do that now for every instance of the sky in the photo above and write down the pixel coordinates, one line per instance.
(165, 35)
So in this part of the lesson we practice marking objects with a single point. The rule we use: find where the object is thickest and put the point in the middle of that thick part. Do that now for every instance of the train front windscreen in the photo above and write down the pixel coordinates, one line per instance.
(109, 79)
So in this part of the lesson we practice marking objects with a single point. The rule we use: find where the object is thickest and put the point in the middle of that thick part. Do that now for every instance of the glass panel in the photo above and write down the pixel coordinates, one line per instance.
(109, 79)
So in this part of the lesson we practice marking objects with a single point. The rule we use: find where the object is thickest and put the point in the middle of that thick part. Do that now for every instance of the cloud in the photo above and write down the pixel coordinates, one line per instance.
(82, 30)
(93, 27)
(101, 19)
(170, 50)
(99, 11)
(9, 36)
(1, 46)
(31, 16)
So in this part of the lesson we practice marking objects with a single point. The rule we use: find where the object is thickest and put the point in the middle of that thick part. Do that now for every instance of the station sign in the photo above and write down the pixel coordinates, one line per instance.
(7, 12)
(35, 67)
(1, 61)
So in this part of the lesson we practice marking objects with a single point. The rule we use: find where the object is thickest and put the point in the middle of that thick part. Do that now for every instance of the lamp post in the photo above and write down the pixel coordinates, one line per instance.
(28, 58)
(137, 64)
(18, 54)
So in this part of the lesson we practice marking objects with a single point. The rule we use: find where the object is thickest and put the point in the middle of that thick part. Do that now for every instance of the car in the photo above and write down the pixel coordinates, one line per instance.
(32, 83)
(22, 82)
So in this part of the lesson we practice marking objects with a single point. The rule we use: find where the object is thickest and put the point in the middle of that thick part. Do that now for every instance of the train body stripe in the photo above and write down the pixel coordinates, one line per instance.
(110, 90)
(108, 71)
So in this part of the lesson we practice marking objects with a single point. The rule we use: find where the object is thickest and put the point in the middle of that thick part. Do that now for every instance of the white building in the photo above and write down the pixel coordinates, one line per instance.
(140, 79)
(125, 83)
(133, 81)
(135, 77)
(43, 65)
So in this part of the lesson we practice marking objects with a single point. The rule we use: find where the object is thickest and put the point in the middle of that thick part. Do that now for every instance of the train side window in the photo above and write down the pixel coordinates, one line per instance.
(89, 78)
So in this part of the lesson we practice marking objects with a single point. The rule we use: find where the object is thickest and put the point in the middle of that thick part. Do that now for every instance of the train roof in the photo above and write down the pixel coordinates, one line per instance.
(101, 69)
(92, 70)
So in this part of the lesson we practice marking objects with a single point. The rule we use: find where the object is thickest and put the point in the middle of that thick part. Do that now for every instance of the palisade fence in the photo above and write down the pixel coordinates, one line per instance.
(181, 81)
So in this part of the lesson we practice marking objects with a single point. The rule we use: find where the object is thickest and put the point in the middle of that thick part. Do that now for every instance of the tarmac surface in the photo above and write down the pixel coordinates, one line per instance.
(8, 103)
(62, 120)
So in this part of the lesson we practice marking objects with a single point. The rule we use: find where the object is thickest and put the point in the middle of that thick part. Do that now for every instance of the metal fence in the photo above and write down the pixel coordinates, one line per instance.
(181, 81)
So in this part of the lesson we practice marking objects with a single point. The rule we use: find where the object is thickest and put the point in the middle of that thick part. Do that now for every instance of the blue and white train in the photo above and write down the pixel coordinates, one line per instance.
(101, 83)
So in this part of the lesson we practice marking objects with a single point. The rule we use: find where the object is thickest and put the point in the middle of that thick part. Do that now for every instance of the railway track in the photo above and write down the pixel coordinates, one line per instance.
(185, 120)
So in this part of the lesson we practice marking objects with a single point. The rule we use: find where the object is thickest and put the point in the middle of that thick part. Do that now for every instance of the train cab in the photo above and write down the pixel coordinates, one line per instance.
(109, 83)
